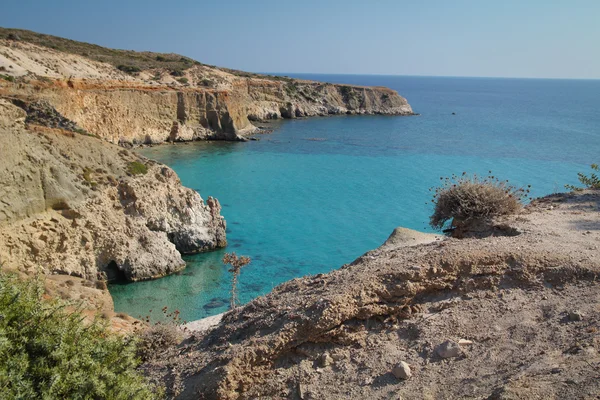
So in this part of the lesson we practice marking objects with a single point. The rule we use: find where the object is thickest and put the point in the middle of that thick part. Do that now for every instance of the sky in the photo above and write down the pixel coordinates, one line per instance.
(510, 38)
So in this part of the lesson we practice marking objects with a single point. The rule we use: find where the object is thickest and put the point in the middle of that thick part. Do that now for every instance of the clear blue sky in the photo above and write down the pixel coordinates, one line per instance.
(511, 38)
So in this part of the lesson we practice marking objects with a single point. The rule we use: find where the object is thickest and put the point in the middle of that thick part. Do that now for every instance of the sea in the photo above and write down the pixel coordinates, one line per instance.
(317, 193)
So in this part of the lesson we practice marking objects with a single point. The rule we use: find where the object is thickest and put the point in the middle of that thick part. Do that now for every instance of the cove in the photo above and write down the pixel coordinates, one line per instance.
(317, 193)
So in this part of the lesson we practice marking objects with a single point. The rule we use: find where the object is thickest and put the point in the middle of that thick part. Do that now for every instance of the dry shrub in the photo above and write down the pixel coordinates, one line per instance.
(156, 338)
(471, 198)
(237, 263)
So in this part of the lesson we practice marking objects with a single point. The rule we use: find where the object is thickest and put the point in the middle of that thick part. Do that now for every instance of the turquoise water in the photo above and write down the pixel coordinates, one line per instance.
(298, 206)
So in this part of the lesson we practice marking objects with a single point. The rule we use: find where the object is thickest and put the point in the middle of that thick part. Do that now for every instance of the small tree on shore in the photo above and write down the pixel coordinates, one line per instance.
(237, 263)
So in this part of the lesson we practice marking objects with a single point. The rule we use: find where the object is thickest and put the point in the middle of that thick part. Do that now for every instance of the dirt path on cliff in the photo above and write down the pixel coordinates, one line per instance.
(522, 313)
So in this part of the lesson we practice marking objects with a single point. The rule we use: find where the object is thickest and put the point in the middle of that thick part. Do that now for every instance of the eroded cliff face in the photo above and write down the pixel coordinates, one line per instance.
(153, 106)
(75, 205)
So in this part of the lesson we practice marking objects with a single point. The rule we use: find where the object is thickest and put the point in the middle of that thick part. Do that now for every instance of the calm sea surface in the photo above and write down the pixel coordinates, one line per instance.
(298, 206)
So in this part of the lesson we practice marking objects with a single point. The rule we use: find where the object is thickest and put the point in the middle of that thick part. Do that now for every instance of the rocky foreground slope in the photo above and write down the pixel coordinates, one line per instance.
(139, 97)
(83, 211)
(503, 317)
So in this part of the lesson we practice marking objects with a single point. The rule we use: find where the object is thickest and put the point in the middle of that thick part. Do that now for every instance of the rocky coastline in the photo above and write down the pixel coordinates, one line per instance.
(509, 313)
(75, 206)
(161, 103)
(81, 209)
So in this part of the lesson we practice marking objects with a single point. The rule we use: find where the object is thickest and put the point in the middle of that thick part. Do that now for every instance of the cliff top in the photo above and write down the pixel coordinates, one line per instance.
(136, 60)
(131, 63)
(521, 312)
(196, 101)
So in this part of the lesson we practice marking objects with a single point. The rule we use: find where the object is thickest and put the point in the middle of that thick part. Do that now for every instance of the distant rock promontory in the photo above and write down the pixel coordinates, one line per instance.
(132, 97)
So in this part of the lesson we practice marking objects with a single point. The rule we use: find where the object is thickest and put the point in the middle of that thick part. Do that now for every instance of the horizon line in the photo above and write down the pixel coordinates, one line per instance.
(307, 73)
(426, 76)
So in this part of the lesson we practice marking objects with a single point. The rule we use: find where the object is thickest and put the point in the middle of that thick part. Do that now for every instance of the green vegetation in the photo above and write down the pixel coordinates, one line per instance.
(88, 179)
(590, 182)
(48, 353)
(82, 131)
(130, 69)
(8, 78)
(177, 72)
(137, 168)
(141, 59)
(291, 88)
(127, 58)
(237, 263)
(183, 80)
(43, 79)
(87, 175)
(473, 198)
(348, 93)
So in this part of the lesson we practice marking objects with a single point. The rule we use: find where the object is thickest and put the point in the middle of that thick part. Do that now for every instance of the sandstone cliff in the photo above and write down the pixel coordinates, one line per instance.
(75, 205)
(503, 317)
(167, 97)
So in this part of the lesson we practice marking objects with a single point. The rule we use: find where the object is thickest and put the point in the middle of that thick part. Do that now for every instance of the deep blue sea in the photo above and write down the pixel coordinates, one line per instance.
(298, 206)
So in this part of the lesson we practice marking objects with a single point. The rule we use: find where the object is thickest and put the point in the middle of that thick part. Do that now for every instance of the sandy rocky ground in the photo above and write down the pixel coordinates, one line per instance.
(500, 317)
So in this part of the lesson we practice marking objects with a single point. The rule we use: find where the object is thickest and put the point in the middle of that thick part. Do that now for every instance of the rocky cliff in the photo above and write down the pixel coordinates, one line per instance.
(131, 98)
(502, 317)
(72, 204)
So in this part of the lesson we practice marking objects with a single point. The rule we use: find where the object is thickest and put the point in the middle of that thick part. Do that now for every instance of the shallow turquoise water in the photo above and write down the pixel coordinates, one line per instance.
(298, 206)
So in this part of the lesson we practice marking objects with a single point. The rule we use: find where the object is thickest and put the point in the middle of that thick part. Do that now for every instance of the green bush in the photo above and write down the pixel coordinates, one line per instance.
(82, 131)
(48, 353)
(590, 182)
(183, 80)
(137, 168)
(291, 88)
(347, 92)
(8, 78)
(473, 198)
(129, 69)
(87, 175)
